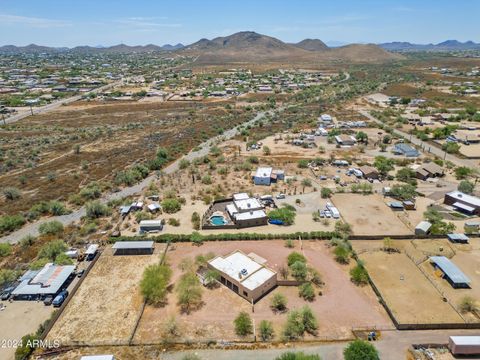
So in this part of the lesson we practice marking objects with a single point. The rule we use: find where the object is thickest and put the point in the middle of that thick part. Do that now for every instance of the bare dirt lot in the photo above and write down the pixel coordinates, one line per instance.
(407, 292)
(467, 259)
(32, 315)
(107, 305)
(341, 307)
(369, 215)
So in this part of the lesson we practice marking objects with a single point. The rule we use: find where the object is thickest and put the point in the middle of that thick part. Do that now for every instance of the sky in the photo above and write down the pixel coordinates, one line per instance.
(140, 22)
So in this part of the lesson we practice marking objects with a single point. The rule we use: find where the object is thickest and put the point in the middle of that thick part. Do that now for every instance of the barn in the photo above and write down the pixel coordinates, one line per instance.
(133, 248)
(450, 271)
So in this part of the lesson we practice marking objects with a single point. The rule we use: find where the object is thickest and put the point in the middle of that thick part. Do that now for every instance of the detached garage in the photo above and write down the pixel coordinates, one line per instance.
(133, 248)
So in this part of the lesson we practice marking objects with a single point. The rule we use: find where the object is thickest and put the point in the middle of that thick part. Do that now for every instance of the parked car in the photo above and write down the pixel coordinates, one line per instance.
(6, 293)
(281, 196)
(60, 298)
(80, 273)
(48, 300)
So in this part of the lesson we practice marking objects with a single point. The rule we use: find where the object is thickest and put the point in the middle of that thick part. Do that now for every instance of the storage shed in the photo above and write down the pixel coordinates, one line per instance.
(458, 238)
(133, 248)
(464, 345)
(451, 272)
(150, 226)
(422, 228)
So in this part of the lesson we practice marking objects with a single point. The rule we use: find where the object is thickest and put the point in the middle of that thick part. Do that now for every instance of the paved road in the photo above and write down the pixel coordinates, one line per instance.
(393, 346)
(428, 148)
(32, 228)
(56, 104)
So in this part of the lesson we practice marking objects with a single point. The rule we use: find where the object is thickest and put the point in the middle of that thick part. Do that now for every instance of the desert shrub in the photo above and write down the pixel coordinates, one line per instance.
(299, 270)
(466, 187)
(342, 254)
(299, 322)
(142, 215)
(51, 228)
(306, 291)
(52, 250)
(266, 330)
(297, 356)
(468, 304)
(95, 209)
(243, 324)
(360, 350)
(206, 179)
(294, 256)
(25, 347)
(279, 303)
(7, 276)
(171, 206)
(5, 249)
(11, 222)
(359, 275)
(173, 222)
(155, 282)
(12, 193)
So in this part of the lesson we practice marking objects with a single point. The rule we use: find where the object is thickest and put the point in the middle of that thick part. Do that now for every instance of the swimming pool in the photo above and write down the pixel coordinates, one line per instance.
(218, 220)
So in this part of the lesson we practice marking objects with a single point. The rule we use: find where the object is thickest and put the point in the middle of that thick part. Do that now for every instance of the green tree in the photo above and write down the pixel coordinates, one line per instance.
(171, 206)
(26, 347)
(451, 147)
(266, 330)
(189, 292)
(284, 214)
(243, 324)
(7, 276)
(52, 250)
(466, 187)
(294, 256)
(342, 254)
(359, 275)
(383, 164)
(362, 137)
(462, 172)
(407, 175)
(325, 192)
(360, 350)
(403, 192)
(154, 284)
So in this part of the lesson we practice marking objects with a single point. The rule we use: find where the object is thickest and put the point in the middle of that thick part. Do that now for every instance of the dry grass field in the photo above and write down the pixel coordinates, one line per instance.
(407, 292)
(369, 215)
(40, 149)
(107, 305)
(341, 306)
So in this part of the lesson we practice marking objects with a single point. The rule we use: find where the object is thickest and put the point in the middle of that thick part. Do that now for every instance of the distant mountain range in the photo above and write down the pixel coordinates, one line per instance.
(116, 49)
(249, 46)
(449, 45)
(245, 46)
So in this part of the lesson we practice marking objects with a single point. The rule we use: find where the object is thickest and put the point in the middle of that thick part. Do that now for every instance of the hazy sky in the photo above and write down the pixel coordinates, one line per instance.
(109, 22)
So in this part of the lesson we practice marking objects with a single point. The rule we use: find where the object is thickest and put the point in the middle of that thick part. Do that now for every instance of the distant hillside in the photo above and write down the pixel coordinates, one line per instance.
(116, 49)
(311, 45)
(245, 46)
(248, 46)
(448, 45)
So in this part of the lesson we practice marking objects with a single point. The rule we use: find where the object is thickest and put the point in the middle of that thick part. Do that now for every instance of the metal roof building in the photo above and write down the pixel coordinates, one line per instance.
(406, 150)
(40, 283)
(459, 238)
(133, 247)
(451, 272)
(422, 228)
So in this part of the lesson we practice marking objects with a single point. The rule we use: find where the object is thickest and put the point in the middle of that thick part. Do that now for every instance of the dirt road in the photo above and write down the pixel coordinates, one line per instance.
(393, 346)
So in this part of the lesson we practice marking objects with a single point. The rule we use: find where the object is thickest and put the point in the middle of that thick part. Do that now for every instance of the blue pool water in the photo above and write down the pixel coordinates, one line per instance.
(218, 220)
